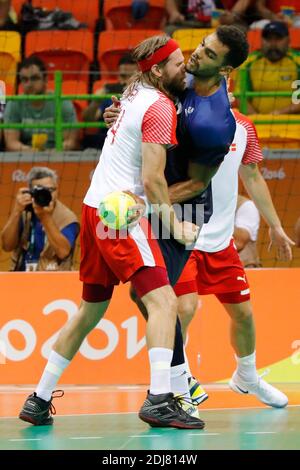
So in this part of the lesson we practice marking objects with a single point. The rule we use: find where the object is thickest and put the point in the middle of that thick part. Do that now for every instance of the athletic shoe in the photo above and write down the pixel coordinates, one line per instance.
(164, 411)
(265, 392)
(187, 405)
(197, 392)
(38, 411)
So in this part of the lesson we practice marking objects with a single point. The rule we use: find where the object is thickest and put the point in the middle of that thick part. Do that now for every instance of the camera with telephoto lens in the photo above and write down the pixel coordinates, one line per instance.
(42, 196)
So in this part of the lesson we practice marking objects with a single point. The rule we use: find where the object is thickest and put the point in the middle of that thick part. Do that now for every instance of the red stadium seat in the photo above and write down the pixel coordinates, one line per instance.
(86, 11)
(68, 51)
(254, 38)
(114, 44)
(118, 15)
(17, 5)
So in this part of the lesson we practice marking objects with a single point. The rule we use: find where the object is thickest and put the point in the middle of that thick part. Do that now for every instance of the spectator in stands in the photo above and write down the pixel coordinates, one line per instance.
(264, 8)
(245, 234)
(41, 231)
(8, 17)
(245, 12)
(297, 231)
(33, 77)
(273, 68)
(95, 110)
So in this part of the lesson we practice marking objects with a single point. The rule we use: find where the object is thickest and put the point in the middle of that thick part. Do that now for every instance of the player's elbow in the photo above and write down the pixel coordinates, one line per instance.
(153, 184)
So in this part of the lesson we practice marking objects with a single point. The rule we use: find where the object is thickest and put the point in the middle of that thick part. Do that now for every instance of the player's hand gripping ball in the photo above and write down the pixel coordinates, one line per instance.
(120, 210)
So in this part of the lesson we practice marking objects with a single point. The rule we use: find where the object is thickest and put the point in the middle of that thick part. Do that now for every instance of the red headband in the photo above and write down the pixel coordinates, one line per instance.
(158, 56)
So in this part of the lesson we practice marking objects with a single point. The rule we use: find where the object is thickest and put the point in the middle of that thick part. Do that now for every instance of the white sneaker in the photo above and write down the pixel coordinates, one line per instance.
(187, 405)
(265, 392)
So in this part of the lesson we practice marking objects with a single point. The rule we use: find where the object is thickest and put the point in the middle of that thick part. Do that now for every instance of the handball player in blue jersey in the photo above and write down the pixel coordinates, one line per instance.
(205, 131)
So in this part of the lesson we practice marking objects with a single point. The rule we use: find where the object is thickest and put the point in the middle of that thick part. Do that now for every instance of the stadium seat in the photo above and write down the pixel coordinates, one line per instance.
(114, 44)
(189, 39)
(254, 38)
(17, 5)
(86, 11)
(68, 51)
(10, 55)
(118, 15)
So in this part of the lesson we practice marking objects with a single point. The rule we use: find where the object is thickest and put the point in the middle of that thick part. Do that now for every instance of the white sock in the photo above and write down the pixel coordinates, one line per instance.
(246, 367)
(187, 365)
(160, 364)
(55, 366)
(179, 381)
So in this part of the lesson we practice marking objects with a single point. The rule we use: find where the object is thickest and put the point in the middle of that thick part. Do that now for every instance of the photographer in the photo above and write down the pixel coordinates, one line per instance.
(41, 231)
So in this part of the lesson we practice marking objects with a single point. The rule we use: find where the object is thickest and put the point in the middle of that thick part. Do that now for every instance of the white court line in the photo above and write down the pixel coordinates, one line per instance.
(261, 432)
(86, 437)
(23, 440)
(205, 434)
(136, 412)
(152, 435)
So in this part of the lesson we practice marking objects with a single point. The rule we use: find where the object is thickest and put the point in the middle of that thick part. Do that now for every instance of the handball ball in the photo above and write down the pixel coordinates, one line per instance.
(114, 209)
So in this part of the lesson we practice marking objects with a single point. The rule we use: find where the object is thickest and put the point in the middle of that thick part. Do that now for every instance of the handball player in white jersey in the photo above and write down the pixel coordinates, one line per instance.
(133, 159)
(215, 267)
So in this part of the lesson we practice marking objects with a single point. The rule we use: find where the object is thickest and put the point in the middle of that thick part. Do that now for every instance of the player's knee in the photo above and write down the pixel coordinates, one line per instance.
(243, 314)
(187, 306)
(166, 304)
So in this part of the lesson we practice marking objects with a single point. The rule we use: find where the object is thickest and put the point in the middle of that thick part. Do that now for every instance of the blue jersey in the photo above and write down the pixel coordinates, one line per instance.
(206, 126)
(205, 131)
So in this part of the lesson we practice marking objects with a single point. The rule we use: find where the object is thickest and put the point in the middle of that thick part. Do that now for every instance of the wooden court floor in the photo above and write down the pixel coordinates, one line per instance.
(105, 418)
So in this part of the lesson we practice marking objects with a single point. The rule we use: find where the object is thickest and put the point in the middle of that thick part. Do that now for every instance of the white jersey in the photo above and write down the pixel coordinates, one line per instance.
(245, 149)
(146, 116)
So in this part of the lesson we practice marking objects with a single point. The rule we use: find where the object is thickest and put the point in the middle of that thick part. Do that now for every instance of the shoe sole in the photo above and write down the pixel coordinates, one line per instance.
(237, 389)
(155, 423)
(29, 419)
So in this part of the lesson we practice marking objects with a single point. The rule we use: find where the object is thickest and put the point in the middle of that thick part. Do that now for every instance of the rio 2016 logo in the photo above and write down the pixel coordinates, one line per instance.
(9, 352)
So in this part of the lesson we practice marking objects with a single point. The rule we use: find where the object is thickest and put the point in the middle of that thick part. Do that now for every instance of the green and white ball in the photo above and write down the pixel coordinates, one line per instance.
(114, 209)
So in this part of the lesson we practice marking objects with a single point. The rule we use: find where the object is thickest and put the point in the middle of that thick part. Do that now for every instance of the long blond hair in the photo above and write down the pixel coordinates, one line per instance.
(141, 52)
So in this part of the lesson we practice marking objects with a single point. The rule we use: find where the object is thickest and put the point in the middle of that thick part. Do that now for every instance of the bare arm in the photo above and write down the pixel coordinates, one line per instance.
(10, 233)
(259, 192)
(241, 6)
(156, 189)
(264, 11)
(200, 177)
(297, 231)
(13, 142)
(71, 140)
(92, 113)
(241, 237)
(173, 11)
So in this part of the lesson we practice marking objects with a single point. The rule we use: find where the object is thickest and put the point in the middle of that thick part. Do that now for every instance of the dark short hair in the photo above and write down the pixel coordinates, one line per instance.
(126, 59)
(236, 41)
(34, 60)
